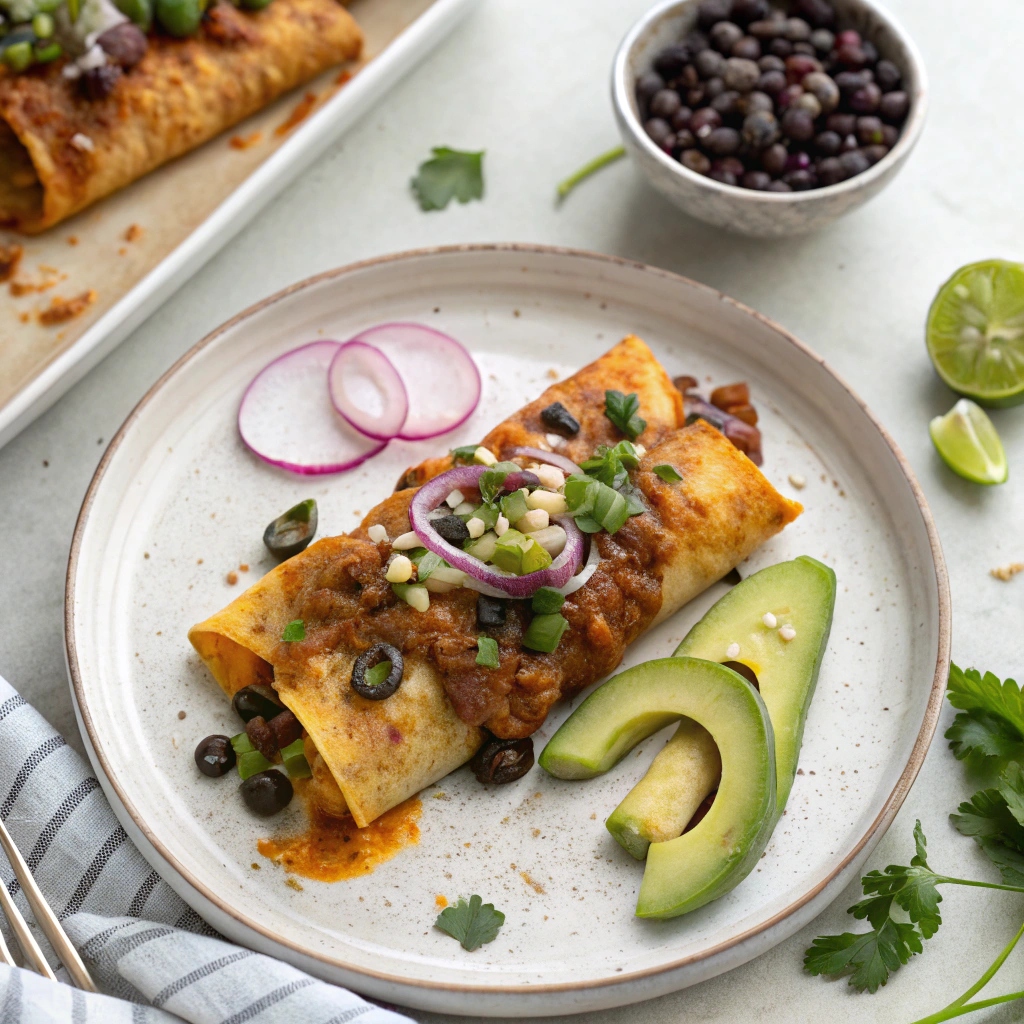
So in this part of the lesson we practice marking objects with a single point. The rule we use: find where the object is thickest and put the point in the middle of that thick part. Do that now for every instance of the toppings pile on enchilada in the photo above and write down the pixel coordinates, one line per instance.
(477, 658)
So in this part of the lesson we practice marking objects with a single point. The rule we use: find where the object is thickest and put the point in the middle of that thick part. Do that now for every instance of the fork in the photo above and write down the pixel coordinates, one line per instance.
(45, 918)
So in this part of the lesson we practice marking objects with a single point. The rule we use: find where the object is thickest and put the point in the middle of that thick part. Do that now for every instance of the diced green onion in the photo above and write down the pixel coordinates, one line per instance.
(487, 652)
(535, 557)
(483, 547)
(249, 761)
(513, 507)
(546, 601)
(413, 594)
(139, 11)
(73, 10)
(293, 757)
(42, 25)
(519, 554)
(18, 56)
(545, 632)
(579, 494)
(294, 631)
(668, 473)
(378, 673)
(46, 54)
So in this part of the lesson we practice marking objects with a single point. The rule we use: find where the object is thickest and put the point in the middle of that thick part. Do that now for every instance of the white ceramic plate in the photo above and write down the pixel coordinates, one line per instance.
(178, 502)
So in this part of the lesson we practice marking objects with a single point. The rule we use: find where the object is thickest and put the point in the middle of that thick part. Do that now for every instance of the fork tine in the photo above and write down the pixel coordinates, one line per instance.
(45, 918)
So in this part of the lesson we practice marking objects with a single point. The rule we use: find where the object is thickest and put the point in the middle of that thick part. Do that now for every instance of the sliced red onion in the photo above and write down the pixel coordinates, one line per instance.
(286, 416)
(566, 465)
(432, 493)
(440, 376)
(743, 435)
(593, 561)
(367, 390)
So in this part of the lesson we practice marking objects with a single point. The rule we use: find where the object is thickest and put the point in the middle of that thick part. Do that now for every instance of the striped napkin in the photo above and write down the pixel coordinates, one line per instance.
(153, 956)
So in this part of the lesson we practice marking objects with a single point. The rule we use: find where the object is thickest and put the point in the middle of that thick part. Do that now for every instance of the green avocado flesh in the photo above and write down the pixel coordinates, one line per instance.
(801, 594)
(709, 860)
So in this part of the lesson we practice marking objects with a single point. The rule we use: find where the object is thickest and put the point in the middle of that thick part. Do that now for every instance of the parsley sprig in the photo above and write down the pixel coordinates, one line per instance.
(901, 903)
(449, 174)
(472, 923)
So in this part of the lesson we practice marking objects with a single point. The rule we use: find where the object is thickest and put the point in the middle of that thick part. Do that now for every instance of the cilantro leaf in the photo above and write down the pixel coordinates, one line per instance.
(969, 689)
(668, 473)
(611, 465)
(294, 631)
(472, 923)
(426, 565)
(869, 958)
(464, 453)
(1009, 862)
(622, 411)
(450, 174)
(1011, 789)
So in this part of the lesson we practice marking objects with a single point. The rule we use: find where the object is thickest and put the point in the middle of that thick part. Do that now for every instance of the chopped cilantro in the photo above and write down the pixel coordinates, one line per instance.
(668, 473)
(622, 411)
(472, 923)
(491, 480)
(464, 453)
(295, 630)
(546, 601)
(611, 465)
(426, 565)
(449, 174)
(487, 652)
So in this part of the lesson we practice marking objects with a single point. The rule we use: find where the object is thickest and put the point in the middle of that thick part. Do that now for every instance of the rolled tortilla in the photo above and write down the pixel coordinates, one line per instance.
(184, 92)
(381, 752)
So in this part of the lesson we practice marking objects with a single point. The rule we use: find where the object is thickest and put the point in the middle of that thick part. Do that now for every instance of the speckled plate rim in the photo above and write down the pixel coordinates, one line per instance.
(874, 832)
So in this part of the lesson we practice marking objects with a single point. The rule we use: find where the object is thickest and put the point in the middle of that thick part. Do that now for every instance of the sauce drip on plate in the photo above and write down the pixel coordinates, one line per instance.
(332, 849)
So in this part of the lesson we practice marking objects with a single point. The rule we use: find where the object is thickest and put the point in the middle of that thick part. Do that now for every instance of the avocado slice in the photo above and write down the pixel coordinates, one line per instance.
(704, 863)
(662, 803)
(800, 594)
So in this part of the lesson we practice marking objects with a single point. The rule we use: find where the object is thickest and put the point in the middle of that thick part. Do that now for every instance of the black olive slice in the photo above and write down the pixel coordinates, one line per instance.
(559, 420)
(367, 660)
(215, 756)
(292, 531)
(451, 528)
(267, 792)
(501, 761)
(254, 700)
(490, 612)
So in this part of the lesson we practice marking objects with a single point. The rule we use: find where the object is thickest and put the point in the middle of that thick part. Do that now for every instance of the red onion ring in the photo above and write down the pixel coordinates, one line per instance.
(551, 458)
(367, 390)
(432, 493)
(583, 576)
(440, 376)
(286, 417)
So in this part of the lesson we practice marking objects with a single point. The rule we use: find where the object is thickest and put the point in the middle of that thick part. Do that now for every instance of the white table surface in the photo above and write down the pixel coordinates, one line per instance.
(528, 81)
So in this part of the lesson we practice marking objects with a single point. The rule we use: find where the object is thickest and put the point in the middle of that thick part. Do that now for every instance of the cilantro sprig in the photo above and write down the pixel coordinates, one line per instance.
(449, 174)
(473, 923)
(623, 411)
(901, 903)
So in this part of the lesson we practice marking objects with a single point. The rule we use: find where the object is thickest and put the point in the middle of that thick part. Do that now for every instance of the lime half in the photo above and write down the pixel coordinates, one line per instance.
(975, 332)
(969, 444)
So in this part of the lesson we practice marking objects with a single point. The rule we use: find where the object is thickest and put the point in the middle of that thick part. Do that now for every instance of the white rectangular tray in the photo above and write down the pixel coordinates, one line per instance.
(187, 210)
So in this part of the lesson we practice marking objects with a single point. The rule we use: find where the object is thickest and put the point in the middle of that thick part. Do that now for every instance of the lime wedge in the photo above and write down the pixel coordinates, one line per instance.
(975, 332)
(969, 444)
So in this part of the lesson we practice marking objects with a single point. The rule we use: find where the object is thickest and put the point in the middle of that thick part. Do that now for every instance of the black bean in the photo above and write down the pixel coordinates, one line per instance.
(866, 99)
(502, 761)
(797, 124)
(854, 162)
(725, 35)
(727, 104)
(887, 75)
(215, 756)
(657, 129)
(685, 139)
(646, 86)
(490, 612)
(818, 13)
(695, 160)
(254, 700)
(893, 106)
(875, 153)
(722, 141)
(745, 11)
(713, 87)
(748, 48)
(772, 82)
(830, 171)
(827, 143)
(741, 74)
(796, 30)
(709, 63)
(778, 186)
(757, 180)
(98, 83)
(665, 103)
(705, 121)
(760, 129)
(709, 12)
(769, 62)
(773, 159)
(869, 131)
(780, 47)
(800, 181)
(124, 44)
(823, 40)
(671, 61)
(267, 793)
(889, 135)
(841, 124)
(680, 122)
(756, 101)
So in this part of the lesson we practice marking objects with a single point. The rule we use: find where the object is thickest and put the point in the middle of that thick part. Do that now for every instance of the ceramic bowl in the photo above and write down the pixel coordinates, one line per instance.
(741, 210)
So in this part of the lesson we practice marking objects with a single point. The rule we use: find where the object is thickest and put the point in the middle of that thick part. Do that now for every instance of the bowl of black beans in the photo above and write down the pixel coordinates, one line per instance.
(769, 117)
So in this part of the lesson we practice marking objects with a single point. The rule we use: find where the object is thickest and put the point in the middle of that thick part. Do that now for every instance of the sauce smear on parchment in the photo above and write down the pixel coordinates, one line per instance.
(333, 849)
